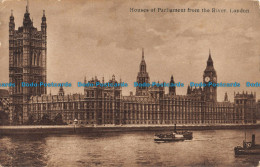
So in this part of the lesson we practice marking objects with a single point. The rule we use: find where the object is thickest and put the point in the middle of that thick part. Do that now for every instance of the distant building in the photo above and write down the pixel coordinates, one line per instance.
(106, 105)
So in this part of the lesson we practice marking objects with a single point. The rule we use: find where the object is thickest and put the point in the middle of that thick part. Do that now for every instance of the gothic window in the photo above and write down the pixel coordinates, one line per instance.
(44, 106)
(82, 116)
(70, 106)
(76, 115)
(49, 106)
(15, 58)
(38, 57)
(34, 59)
(18, 58)
(59, 105)
(81, 105)
(54, 105)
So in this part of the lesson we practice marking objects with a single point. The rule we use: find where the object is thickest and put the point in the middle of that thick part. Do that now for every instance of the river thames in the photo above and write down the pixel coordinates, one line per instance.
(207, 148)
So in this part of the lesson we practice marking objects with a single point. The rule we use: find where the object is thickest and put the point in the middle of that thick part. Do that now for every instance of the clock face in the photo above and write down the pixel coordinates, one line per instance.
(207, 79)
(215, 79)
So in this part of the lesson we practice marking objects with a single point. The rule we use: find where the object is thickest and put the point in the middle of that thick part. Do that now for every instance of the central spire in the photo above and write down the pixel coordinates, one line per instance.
(26, 20)
(142, 64)
(27, 7)
(143, 53)
(142, 77)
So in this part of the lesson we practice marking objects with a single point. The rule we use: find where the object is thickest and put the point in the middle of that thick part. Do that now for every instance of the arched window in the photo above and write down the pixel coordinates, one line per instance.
(34, 59)
(38, 58)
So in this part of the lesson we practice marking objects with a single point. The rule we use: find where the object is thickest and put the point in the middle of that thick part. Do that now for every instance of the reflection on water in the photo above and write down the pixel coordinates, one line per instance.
(208, 148)
(23, 151)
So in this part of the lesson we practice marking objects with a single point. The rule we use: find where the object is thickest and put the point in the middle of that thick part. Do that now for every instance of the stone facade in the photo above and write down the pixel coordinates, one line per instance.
(100, 106)
(27, 63)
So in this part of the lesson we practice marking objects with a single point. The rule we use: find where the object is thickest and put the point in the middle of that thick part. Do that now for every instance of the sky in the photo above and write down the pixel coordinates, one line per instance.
(101, 38)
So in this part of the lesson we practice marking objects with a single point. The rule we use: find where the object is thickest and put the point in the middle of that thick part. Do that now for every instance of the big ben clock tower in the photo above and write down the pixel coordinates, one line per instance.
(210, 75)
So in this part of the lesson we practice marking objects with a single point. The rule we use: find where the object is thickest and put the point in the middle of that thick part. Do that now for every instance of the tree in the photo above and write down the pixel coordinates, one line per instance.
(46, 120)
(58, 119)
(30, 120)
(3, 118)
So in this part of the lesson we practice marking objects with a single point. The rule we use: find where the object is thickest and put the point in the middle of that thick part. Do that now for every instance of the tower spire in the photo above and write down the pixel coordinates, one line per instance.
(210, 55)
(210, 61)
(142, 77)
(172, 88)
(61, 91)
(12, 17)
(142, 53)
(27, 6)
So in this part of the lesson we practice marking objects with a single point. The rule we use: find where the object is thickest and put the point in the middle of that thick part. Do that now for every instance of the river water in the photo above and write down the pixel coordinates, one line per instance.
(207, 148)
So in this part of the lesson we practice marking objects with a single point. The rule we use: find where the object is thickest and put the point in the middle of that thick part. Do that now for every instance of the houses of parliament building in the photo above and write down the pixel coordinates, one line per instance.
(106, 105)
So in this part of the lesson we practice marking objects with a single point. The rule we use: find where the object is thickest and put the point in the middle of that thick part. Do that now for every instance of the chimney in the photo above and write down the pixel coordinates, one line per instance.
(253, 140)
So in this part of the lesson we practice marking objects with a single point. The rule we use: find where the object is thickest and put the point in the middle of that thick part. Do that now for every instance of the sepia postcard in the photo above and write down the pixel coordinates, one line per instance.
(129, 83)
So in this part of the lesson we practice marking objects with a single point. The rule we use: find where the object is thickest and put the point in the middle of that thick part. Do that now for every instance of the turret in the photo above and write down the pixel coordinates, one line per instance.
(11, 23)
(11, 37)
(226, 97)
(61, 91)
(44, 30)
(85, 80)
(188, 90)
(44, 45)
(172, 88)
(26, 19)
(43, 24)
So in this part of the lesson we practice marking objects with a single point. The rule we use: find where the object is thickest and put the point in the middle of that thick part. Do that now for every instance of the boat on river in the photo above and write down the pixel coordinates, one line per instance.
(173, 136)
(249, 148)
(170, 137)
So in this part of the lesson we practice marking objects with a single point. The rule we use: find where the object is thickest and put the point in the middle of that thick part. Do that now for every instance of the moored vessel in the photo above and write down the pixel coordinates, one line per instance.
(249, 148)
